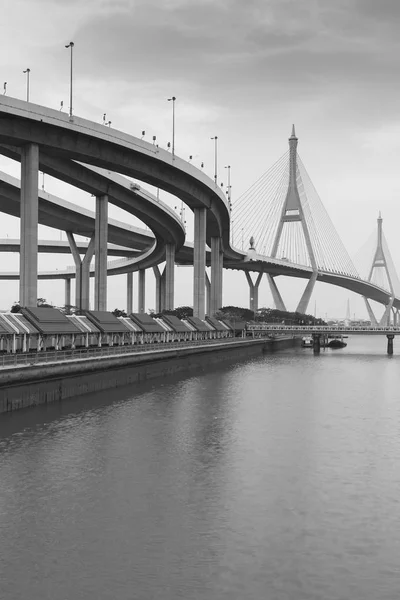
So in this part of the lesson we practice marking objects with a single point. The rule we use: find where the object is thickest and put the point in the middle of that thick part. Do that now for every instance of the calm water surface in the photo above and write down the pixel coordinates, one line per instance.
(275, 478)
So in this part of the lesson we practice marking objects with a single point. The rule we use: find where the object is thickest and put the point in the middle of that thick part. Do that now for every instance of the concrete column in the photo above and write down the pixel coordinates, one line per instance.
(29, 225)
(129, 292)
(67, 297)
(216, 275)
(371, 315)
(169, 275)
(82, 272)
(199, 262)
(316, 343)
(390, 338)
(163, 289)
(101, 239)
(276, 296)
(305, 299)
(253, 290)
(142, 291)
(157, 276)
(208, 296)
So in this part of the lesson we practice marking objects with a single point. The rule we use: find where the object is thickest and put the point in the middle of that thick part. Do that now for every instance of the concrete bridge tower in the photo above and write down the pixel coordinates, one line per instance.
(292, 211)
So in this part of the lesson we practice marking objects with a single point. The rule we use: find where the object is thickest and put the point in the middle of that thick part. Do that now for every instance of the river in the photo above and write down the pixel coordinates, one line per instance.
(277, 478)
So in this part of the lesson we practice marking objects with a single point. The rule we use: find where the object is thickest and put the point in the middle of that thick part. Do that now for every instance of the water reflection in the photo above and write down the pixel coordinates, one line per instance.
(276, 477)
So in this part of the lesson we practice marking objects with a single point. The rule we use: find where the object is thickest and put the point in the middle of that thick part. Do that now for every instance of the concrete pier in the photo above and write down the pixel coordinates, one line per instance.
(276, 296)
(316, 343)
(142, 291)
(390, 338)
(253, 290)
(82, 269)
(169, 276)
(129, 293)
(199, 262)
(101, 239)
(216, 275)
(67, 297)
(208, 294)
(29, 225)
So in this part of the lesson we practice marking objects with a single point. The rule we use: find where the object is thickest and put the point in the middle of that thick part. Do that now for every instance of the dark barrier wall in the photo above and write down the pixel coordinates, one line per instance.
(39, 384)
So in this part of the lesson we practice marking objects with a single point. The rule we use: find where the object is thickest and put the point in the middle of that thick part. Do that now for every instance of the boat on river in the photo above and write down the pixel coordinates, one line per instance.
(307, 342)
(337, 342)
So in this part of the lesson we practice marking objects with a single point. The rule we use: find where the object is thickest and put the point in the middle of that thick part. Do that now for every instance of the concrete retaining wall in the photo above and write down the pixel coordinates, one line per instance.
(22, 387)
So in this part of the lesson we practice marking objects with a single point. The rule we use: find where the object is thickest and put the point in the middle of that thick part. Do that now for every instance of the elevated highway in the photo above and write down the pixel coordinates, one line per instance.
(89, 156)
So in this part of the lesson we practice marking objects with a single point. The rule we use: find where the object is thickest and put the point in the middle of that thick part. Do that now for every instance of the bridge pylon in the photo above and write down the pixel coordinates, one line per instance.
(380, 264)
(292, 211)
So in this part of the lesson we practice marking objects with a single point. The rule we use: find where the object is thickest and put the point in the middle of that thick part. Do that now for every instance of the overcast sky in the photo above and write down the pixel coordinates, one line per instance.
(243, 70)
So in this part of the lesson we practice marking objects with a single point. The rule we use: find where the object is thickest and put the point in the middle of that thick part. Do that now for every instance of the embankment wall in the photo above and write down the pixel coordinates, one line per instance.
(27, 386)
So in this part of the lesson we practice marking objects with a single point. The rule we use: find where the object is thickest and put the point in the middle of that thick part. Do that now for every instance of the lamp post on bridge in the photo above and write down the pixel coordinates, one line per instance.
(27, 71)
(228, 191)
(215, 138)
(70, 45)
(172, 99)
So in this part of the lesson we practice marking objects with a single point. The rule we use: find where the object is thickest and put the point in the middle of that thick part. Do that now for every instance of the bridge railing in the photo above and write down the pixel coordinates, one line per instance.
(320, 328)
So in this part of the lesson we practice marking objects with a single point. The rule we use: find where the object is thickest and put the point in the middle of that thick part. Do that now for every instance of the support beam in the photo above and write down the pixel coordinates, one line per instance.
(385, 320)
(82, 272)
(157, 276)
(129, 293)
(208, 295)
(169, 276)
(390, 338)
(305, 299)
(371, 315)
(67, 297)
(101, 239)
(199, 262)
(253, 290)
(29, 225)
(142, 291)
(316, 343)
(216, 275)
(276, 296)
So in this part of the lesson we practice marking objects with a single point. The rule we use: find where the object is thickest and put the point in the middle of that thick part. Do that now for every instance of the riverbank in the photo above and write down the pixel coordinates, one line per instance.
(28, 386)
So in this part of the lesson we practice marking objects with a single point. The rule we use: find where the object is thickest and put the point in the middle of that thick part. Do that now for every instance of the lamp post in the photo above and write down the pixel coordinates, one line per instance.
(70, 45)
(172, 99)
(27, 71)
(229, 186)
(215, 138)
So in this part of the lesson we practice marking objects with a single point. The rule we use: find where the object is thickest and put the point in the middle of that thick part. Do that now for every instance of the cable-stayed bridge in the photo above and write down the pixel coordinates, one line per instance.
(290, 233)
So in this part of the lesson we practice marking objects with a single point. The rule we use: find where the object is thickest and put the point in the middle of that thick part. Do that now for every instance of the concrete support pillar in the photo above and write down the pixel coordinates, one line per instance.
(316, 343)
(29, 225)
(276, 296)
(101, 239)
(390, 338)
(216, 275)
(67, 297)
(142, 291)
(208, 296)
(253, 290)
(395, 317)
(129, 293)
(305, 299)
(199, 262)
(371, 315)
(169, 276)
(385, 320)
(82, 270)
(157, 276)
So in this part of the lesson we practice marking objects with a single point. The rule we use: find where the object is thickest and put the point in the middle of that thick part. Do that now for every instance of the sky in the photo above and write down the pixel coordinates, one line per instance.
(244, 71)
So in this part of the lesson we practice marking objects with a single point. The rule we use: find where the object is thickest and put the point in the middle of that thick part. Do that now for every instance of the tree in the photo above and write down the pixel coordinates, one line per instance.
(41, 302)
(119, 312)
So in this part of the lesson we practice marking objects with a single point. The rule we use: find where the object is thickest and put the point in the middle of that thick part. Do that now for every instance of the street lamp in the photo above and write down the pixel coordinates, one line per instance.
(27, 71)
(70, 45)
(173, 124)
(215, 138)
(229, 186)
